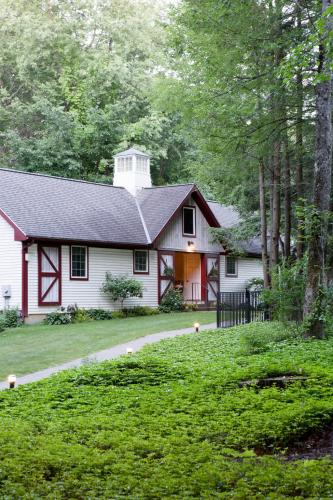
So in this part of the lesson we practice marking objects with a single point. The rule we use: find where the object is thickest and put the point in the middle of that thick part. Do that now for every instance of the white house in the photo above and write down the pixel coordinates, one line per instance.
(58, 238)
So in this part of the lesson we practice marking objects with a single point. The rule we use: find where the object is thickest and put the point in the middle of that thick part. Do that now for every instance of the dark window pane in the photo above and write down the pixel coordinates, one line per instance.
(79, 262)
(141, 261)
(231, 266)
(188, 221)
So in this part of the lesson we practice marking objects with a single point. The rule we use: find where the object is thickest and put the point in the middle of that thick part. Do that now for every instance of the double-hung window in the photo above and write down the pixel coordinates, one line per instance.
(141, 262)
(231, 266)
(79, 263)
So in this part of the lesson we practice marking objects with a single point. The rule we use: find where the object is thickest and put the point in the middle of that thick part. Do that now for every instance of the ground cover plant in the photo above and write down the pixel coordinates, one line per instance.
(34, 347)
(174, 421)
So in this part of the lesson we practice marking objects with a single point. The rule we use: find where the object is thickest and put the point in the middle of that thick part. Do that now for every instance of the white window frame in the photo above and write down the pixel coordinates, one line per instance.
(234, 275)
(136, 271)
(86, 276)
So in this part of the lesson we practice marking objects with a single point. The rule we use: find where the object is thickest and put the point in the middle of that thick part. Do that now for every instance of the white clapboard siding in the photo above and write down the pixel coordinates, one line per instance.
(10, 265)
(87, 293)
(248, 268)
(173, 239)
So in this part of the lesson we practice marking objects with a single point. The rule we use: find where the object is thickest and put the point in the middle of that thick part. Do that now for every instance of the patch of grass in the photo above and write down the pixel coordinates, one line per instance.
(32, 348)
(172, 422)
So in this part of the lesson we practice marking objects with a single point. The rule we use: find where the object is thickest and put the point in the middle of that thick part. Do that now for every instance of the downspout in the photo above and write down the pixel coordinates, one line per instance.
(25, 248)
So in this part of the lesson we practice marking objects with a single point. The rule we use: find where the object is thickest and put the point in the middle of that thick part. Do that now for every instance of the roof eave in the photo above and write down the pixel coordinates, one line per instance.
(19, 235)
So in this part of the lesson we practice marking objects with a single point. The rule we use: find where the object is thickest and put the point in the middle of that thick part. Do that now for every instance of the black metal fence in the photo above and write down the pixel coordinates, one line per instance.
(237, 308)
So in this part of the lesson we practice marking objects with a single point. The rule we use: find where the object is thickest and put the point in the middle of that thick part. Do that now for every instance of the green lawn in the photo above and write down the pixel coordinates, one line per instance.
(31, 348)
(174, 421)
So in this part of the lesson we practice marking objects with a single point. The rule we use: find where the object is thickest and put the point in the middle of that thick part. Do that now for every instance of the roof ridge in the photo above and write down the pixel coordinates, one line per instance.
(171, 185)
(69, 179)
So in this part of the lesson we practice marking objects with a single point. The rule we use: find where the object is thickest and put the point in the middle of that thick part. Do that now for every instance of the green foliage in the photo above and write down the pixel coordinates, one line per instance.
(172, 301)
(58, 318)
(255, 284)
(120, 288)
(72, 94)
(286, 295)
(118, 315)
(77, 314)
(140, 311)
(257, 340)
(2, 324)
(188, 306)
(99, 314)
(191, 431)
(10, 318)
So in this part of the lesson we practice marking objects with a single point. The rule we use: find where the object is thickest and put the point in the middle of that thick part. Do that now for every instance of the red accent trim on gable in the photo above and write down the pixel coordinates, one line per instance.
(205, 209)
(73, 278)
(202, 204)
(56, 275)
(18, 234)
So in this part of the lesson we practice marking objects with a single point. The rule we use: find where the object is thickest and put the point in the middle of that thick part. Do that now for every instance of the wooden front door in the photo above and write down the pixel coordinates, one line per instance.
(192, 277)
(166, 272)
(49, 275)
(212, 276)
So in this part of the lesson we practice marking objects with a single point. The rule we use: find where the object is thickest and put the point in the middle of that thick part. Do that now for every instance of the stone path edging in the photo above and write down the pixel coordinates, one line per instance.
(106, 354)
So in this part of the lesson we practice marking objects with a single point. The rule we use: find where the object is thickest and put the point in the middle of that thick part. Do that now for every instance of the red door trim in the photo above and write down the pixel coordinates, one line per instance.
(209, 279)
(56, 275)
(161, 277)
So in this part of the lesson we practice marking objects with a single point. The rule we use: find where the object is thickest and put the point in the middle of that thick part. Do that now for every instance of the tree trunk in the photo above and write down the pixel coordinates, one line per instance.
(277, 109)
(287, 202)
(317, 274)
(276, 208)
(263, 224)
(299, 146)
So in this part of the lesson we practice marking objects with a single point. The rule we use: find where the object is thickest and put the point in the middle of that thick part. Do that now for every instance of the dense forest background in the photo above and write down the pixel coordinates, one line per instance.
(225, 93)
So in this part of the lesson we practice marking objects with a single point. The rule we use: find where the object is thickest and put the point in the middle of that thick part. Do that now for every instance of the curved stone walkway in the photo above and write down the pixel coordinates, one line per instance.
(106, 354)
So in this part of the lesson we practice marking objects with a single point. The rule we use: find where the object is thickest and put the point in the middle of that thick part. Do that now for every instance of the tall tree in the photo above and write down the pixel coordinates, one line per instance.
(318, 238)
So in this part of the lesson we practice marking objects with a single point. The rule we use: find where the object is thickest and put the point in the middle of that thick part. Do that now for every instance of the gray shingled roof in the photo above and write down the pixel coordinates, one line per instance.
(43, 206)
(158, 204)
(229, 217)
(52, 207)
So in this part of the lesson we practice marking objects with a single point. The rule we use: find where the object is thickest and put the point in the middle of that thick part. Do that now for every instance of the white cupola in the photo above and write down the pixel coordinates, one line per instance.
(132, 170)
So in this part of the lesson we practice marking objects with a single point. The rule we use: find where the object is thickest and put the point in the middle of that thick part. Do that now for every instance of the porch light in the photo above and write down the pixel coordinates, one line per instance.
(196, 326)
(11, 379)
(190, 246)
(129, 350)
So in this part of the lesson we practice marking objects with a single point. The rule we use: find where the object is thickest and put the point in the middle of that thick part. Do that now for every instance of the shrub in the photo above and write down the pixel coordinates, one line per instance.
(77, 314)
(255, 339)
(140, 311)
(11, 318)
(190, 307)
(120, 288)
(287, 293)
(58, 318)
(172, 301)
(118, 315)
(2, 323)
(99, 314)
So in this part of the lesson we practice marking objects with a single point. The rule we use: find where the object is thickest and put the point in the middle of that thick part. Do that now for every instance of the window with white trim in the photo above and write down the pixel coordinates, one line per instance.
(189, 221)
(79, 262)
(141, 261)
(231, 266)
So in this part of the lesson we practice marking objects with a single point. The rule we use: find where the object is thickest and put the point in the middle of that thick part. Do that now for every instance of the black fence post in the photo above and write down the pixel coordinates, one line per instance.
(218, 310)
(248, 307)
